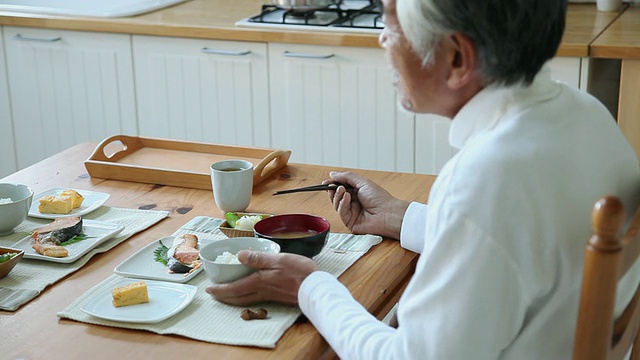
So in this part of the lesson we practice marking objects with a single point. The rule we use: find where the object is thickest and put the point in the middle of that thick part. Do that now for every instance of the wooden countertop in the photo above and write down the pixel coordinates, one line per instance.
(584, 24)
(210, 19)
(35, 332)
(622, 39)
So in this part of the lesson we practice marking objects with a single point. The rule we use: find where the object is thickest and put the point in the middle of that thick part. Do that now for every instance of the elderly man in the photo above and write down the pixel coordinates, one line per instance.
(502, 238)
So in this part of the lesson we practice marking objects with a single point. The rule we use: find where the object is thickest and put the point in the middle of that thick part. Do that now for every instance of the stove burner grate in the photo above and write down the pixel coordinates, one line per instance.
(367, 16)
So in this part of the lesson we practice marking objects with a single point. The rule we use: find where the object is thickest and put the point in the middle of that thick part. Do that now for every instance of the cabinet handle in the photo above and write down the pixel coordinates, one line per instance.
(225, 52)
(307, 56)
(19, 37)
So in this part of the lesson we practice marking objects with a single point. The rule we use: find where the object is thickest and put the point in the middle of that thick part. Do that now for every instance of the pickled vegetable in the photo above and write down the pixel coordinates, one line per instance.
(6, 257)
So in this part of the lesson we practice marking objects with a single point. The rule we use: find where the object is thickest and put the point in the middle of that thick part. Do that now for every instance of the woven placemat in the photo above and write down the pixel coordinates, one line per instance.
(208, 320)
(31, 276)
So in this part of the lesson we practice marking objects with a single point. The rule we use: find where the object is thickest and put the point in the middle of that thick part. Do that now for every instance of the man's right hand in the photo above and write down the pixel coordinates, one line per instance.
(367, 208)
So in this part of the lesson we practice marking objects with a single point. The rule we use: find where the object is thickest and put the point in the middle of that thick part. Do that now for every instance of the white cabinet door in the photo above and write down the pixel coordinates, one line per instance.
(7, 145)
(432, 131)
(202, 90)
(569, 70)
(67, 87)
(336, 106)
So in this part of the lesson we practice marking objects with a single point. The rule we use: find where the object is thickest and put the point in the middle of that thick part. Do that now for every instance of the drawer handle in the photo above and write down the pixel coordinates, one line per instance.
(307, 56)
(225, 52)
(19, 37)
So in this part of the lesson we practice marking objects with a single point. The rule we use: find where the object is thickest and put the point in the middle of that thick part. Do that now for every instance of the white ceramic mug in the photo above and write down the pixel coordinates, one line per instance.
(232, 182)
(608, 5)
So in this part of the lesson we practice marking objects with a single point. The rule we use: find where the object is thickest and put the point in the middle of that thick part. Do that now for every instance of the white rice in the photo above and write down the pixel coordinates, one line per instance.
(9, 201)
(227, 258)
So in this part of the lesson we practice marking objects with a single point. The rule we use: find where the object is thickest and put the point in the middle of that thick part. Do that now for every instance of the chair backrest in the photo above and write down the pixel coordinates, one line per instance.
(608, 257)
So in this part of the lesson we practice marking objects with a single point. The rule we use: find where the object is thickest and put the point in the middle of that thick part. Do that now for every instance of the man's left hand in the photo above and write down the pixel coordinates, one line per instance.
(278, 279)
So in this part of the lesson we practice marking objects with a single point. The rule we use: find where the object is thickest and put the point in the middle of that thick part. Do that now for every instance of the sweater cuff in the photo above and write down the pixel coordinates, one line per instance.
(317, 279)
(413, 227)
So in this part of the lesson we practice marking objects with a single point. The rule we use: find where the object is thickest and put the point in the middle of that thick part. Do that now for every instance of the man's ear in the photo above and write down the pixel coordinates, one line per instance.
(462, 57)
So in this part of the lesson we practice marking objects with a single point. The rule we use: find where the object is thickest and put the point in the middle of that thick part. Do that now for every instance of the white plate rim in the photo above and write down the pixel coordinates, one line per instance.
(104, 295)
(166, 276)
(99, 199)
(111, 228)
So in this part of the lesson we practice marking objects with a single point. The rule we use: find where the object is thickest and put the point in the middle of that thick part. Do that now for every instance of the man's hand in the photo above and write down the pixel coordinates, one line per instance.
(367, 208)
(278, 279)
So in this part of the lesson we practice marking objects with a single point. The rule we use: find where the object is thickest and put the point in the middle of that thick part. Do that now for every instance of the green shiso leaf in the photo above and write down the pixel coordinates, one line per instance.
(160, 253)
(76, 239)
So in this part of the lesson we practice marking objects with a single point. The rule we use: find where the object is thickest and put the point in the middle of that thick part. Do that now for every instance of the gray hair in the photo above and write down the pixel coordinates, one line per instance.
(513, 38)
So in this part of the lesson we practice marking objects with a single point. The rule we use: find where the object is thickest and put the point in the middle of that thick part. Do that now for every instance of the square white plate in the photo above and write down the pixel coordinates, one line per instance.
(165, 300)
(92, 201)
(97, 232)
(142, 264)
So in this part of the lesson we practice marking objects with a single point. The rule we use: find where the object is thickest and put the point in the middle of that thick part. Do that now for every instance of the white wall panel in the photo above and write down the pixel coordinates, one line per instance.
(432, 143)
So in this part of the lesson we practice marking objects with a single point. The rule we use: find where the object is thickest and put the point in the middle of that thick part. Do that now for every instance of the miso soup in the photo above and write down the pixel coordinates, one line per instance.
(292, 234)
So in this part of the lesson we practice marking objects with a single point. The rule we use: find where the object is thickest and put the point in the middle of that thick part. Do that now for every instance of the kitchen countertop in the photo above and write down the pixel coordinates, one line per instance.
(211, 19)
(622, 39)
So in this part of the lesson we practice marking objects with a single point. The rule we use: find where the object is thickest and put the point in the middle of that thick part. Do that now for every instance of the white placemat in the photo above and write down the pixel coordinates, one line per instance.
(30, 276)
(208, 320)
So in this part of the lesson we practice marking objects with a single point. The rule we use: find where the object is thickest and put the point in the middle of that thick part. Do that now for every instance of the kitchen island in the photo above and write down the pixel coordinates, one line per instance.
(35, 332)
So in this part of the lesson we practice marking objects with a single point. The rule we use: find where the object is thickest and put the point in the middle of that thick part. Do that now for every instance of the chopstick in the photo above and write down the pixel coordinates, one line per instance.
(313, 188)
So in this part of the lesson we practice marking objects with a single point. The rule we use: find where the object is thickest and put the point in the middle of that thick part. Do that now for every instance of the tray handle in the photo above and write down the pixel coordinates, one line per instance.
(127, 145)
(270, 164)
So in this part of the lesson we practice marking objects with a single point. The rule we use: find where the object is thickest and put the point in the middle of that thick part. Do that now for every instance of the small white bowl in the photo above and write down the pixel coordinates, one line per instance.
(223, 273)
(13, 213)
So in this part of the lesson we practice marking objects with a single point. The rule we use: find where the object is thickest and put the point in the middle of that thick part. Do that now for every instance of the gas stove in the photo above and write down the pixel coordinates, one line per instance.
(346, 15)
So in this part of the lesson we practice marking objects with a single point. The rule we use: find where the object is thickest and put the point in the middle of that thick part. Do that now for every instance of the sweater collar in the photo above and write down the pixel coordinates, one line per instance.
(493, 103)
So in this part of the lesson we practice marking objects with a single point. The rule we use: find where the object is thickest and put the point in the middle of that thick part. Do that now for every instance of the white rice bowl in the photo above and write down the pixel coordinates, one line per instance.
(221, 263)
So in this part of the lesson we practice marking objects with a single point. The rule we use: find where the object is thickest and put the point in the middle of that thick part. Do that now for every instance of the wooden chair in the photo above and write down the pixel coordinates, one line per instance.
(607, 258)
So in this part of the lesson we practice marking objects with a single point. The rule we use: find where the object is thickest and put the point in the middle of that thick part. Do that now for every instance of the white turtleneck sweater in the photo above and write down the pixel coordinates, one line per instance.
(503, 237)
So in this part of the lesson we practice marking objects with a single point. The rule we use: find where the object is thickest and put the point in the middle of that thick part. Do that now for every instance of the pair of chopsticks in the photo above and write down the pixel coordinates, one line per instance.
(332, 186)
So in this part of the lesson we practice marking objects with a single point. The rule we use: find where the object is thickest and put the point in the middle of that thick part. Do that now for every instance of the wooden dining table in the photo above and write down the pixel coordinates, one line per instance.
(35, 332)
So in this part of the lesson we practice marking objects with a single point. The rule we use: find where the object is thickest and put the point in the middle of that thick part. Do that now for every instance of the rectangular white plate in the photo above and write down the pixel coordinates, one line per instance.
(165, 300)
(96, 231)
(92, 201)
(142, 264)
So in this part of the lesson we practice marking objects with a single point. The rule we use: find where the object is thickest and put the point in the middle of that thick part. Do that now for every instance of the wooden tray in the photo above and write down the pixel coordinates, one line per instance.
(174, 162)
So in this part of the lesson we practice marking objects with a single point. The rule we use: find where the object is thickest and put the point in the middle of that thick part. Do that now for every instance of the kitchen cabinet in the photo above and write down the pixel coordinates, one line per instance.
(67, 87)
(202, 90)
(7, 144)
(330, 105)
(336, 106)
(571, 70)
